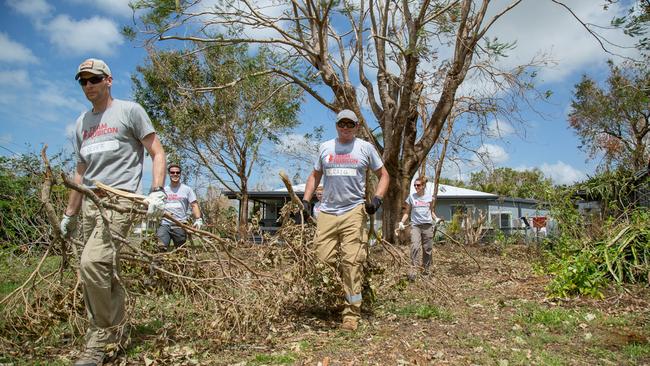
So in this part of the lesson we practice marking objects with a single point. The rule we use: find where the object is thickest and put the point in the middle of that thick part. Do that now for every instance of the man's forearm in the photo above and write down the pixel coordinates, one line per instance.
(158, 170)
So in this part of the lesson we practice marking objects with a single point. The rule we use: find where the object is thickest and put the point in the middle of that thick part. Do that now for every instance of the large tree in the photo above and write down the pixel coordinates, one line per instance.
(613, 121)
(221, 130)
(404, 61)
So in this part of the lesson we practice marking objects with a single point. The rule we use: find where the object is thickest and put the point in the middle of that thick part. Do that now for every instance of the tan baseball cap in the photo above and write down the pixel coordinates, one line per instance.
(93, 66)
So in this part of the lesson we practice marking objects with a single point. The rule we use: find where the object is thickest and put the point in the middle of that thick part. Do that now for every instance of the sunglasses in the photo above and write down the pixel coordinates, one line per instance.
(93, 80)
(174, 173)
(417, 185)
(346, 124)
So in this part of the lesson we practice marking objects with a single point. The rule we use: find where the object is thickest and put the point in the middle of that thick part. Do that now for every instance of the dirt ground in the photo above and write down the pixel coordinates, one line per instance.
(482, 305)
(460, 314)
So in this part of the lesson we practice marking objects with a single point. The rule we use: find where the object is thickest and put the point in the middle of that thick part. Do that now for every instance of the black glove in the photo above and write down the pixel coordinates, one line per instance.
(308, 207)
(374, 205)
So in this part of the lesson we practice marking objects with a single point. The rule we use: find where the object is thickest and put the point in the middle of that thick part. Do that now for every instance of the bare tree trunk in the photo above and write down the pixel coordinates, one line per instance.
(243, 214)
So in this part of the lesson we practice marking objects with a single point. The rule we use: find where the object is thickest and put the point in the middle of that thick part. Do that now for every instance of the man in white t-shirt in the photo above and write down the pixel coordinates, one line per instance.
(180, 197)
(419, 205)
(342, 221)
(110, 141)
(319, 197)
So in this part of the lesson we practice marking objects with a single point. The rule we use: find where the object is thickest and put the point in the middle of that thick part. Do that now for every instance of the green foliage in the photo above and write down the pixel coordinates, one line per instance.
(512, 183)
(612, 121)
(424, 311)
(215, 106)
(273, 359)
(593, 250)
(22, 218)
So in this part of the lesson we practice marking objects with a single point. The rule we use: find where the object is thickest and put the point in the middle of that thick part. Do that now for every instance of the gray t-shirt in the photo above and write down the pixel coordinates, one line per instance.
(109, 144)
(420, 208)
(344, 173)
(178, 201)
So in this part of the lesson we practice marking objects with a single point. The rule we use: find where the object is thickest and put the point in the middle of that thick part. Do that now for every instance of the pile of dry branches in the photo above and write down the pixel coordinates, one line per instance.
(223, 291)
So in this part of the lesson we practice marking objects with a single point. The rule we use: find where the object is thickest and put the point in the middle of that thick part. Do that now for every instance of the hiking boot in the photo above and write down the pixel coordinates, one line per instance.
(350, 324)
(91, 357)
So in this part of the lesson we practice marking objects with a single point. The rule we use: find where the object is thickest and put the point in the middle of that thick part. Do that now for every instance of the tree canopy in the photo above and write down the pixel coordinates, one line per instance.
(613, 120)
(202, 122)
(512, 183)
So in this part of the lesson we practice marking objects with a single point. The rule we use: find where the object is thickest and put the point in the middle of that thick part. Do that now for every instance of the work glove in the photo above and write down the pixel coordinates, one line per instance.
(438, 220)
(308, 207)
(155, 205)
(401, 226)
(374, 205)
(68, 224)
(198, 223)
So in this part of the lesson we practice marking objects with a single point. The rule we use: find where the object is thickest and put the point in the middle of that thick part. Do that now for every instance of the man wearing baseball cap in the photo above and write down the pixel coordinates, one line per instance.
(341, 225)
(110, 141)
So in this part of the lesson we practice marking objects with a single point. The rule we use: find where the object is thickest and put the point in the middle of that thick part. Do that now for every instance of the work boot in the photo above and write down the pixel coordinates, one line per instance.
(349, 323)
(411, 276)
(91, 357)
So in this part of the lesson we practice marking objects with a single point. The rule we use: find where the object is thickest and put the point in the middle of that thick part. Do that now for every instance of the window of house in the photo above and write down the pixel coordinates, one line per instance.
(501, 219)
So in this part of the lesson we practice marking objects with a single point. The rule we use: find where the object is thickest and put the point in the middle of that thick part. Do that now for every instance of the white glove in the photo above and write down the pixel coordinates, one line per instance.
(68, 223)
(437, 220)
(198, 223)
(401, 226)
(155, 205)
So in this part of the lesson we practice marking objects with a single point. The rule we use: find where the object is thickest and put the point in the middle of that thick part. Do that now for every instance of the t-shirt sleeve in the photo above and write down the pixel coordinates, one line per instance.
(191, 196)
(318, 165)
(140, 122)
(375, 159)
(77, 142)
(408, 200)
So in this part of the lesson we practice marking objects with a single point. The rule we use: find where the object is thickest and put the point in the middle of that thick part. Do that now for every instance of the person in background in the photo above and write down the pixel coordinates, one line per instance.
(319, 197)
(180, 197)
(109, 141)
(419, 207)
(342, 222)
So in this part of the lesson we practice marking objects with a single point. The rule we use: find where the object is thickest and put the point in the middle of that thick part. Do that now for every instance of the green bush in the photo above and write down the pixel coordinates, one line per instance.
(23, 221)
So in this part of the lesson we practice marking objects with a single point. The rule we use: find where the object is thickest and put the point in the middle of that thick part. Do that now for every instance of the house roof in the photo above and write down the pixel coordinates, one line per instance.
(444, 191)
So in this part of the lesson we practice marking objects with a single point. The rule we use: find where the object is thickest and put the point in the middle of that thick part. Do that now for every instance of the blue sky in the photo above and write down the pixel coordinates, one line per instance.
(43, 41)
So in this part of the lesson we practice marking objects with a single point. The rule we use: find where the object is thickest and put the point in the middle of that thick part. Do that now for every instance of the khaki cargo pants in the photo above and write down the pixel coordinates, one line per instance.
(348, 235)
(103, 294)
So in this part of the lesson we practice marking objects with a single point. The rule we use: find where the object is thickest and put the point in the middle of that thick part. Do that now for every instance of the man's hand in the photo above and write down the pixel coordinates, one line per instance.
(307, 209)
(156, 205)
(401, 226)
(198, 223)
(68, 224)
(374, 205)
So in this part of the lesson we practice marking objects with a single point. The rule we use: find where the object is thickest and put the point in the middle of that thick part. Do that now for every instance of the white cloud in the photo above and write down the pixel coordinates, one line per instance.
(35, 9)
(296, 145)
(499, 129)
(491, 154)
(51, 98)
(116, 7)
(95, 35)
(562, 173)
(544, 26)
(70, 130)
(14, 79)
(11, 51)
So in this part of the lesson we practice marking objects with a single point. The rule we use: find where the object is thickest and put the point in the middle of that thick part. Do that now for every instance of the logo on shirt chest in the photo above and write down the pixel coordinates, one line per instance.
(99, 130)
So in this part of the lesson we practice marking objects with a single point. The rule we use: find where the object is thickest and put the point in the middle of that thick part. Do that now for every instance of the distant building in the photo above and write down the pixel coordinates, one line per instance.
(504, 213)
